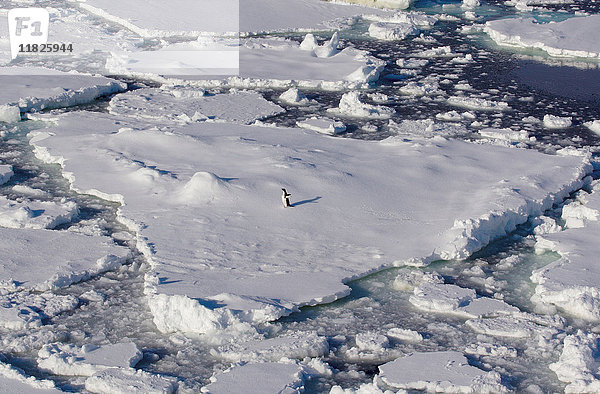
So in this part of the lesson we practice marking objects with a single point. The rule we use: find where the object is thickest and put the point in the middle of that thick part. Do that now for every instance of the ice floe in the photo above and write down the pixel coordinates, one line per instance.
(223, 181)
(128, 380)
(35, 214)
(351, 106)
(578, 363)
(478, 104)
(14, 380)
(67, 257)
(9, 113)
(292, 96)
(438, 372)
(571, 283)
(6, 172)
(505, 134)
(47, 88)
(556, 122)
(189, 105)
(574, 37)
(265, 377)
(67, 359)
(593, 125)
(322, 125)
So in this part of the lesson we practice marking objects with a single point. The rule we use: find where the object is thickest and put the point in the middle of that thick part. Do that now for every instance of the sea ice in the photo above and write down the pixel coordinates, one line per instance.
(574, 37)
(322, 125)
(6, 172)
(556, 122)
(478, 104)
(571, 283)
(266, 378)
(391, 31)
(20, 310)
(505, 134)
(9, 113)
(412, 63)
(71, 360)
(405, 335)
(67, 257)
(426, 128)
(593, 125)
(292, 96)
(578, 363)
(36, 88)
(14, 380)
(189, 105)
(36, 214)
(128, 381)
(351, 106)
(204, 202)
(298, 345)
(438, 372)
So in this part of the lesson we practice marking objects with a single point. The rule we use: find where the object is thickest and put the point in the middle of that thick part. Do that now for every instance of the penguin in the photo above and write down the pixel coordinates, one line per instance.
(285, 198)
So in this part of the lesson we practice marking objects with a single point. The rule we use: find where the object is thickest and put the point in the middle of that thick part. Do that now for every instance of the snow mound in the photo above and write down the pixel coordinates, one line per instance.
(350, 105)
(70, 360)
(34, 88)
(556, 122)
(265, 377)
(322, 125)
(203, 188)
(190, 105)
(578, 364)
(125, 381)
(298, 345)
(438, 372)
(6, 172)
(67, 257)
(35, 214)
(478, 104)
(574, 37)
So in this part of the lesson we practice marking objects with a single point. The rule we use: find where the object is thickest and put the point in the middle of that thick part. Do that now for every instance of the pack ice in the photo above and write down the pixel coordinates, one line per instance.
(574, 37)
(204, 201)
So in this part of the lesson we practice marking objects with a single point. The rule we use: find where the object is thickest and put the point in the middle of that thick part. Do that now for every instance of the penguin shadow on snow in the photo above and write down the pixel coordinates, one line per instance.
(309, 201)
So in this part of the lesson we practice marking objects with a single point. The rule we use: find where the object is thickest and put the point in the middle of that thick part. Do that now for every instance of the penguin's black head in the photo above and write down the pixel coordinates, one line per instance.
(283, 190)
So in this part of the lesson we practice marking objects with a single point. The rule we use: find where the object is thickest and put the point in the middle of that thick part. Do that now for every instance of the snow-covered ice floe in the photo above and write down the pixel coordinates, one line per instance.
(322, 125)
(68, 258)
(51, 89)
(189, 105)
(35, 214)
(400, 25)
(204, 201)
(593, 125)
(578, 364)
(572, 282)
(272, 62)
(556, 122)
(265, 377)
(6, 172)
(128, 381)
(477, 103)
(351, 106)
(574, 37)
(438, 372)
(14, 380)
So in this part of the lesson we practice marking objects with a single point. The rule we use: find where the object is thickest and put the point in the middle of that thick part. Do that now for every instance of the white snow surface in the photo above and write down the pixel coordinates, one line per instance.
(47, 88)
(181, 18)
(266, 378)
(9, 113)
(351, 106)
(6, 172)
(204, 200)
(128, 381)
(87, 360)
(189, 105)
(593, 125)
(438, 372)
(67, 258)
(574, 37)
(573, 281)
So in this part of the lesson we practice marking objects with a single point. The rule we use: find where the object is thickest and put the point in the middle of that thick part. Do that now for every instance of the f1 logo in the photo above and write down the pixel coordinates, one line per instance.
(27, 26)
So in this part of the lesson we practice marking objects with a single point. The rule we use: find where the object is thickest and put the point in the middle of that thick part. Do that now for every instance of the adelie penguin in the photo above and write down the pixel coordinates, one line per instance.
(285, 198)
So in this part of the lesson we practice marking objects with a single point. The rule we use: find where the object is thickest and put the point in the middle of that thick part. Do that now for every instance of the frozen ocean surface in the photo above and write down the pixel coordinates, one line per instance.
(444, 187)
